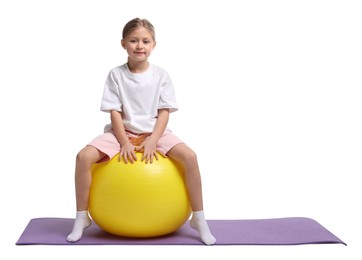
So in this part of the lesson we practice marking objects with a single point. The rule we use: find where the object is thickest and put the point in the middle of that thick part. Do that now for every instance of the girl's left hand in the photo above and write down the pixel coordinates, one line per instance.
(148, 148)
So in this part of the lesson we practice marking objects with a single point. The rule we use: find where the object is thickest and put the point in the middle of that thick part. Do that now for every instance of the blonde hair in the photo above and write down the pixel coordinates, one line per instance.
(137, 23)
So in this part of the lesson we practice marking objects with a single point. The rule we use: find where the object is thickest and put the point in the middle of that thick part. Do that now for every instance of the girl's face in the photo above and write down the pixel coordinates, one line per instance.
(139, 45)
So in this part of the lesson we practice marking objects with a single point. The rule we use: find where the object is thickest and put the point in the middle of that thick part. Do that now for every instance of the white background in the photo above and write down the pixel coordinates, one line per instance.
(269, 95)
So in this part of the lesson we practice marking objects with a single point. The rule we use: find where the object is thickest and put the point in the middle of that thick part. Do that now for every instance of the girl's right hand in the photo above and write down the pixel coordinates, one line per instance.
(127, 153)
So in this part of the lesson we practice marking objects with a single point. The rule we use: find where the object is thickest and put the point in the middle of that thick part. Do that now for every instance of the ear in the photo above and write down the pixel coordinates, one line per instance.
(154, 44)
(123, 43)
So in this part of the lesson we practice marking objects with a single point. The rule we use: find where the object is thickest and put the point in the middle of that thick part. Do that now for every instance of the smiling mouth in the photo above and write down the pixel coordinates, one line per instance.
(139, 53)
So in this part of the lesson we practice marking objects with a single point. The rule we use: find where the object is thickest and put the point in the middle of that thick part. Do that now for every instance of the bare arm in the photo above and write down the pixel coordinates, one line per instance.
(149, 145)
(161, 124)
(127, 148)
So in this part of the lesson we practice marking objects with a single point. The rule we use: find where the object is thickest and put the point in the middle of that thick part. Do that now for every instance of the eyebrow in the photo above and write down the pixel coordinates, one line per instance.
(146, 38)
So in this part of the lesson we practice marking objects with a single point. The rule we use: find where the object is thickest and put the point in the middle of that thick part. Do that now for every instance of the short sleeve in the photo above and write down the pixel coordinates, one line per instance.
(111, 99)
(167, 97)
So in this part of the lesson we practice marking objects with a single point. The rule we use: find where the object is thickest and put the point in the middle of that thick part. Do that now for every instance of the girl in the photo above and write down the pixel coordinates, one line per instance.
(139, 97)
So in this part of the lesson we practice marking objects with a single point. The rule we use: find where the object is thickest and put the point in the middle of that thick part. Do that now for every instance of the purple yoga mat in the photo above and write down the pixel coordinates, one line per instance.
(279, 231)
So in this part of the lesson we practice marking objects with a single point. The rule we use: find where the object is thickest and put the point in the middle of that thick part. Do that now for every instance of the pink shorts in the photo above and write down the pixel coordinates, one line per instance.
(108, 143)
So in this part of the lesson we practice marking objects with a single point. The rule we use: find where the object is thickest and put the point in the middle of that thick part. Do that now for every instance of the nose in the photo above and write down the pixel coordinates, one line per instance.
(139, 45)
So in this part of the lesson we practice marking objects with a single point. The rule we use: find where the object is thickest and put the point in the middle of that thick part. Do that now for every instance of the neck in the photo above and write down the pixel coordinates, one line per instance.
(137, 67)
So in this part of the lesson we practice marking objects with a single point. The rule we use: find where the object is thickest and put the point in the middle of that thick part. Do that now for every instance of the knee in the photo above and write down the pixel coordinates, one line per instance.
(83, 159)
(190, 158)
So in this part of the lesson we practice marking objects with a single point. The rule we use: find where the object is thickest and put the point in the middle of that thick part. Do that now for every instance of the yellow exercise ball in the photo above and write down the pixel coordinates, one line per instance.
(139, 199)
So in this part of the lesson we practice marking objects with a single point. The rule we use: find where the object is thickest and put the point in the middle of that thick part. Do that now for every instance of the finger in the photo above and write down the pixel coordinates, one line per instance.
(139, 148)
(130, 157)
(125, 158)
(147, 156)
(134, 156)
(156, 156)
(152, 157)
(144, 156)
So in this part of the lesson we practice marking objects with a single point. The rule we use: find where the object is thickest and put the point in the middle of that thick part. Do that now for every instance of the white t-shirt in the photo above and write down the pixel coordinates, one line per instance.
(138, 96)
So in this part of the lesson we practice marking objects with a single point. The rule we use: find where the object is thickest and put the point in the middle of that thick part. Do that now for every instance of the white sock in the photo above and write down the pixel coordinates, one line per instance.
(81, 222)
(199, 223)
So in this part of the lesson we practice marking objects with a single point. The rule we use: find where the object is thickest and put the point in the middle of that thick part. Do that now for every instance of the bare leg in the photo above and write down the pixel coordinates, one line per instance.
(83, 179)
(188, 159)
